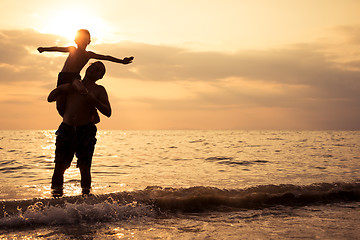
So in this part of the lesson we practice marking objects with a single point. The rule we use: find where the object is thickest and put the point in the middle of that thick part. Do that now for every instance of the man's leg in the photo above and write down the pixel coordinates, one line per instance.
(64, 153)
(86, 145)
(58, 179)
(85, 172)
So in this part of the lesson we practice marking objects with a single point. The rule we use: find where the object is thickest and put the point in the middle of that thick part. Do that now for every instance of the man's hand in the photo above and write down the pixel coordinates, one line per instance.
(79, 87)
(62, 89)
(40, 49)
(127, 60)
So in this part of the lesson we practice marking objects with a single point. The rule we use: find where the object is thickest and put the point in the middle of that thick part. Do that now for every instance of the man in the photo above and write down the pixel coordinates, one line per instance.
(76, 134)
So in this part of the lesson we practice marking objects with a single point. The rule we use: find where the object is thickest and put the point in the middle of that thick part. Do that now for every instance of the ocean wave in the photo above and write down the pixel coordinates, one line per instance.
(231, 162)
(197, 199)
(155, 200)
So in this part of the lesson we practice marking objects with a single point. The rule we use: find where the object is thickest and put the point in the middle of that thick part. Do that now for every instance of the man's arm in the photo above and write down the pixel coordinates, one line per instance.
(54, 94)
(101, 102)
(126, 60)
(53, 49)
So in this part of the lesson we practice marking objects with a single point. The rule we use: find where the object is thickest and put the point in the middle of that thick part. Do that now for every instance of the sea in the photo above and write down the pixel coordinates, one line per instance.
(186, 184)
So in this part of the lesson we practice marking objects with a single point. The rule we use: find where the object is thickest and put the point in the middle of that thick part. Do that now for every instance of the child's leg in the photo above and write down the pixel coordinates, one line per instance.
(95, 117)
(61, 101)
(65, 77)
(60, 105)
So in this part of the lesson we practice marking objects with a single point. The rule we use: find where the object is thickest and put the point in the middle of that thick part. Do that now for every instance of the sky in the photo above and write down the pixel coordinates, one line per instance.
(199, 64)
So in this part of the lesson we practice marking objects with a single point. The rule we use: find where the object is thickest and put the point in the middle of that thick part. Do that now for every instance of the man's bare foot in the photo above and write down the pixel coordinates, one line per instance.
(57, 192)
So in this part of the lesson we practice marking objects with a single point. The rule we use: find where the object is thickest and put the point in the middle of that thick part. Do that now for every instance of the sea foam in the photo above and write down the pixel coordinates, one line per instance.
(155, 200)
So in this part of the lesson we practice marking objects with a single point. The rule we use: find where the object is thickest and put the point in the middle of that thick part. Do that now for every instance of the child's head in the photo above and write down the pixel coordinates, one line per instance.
(82, 37)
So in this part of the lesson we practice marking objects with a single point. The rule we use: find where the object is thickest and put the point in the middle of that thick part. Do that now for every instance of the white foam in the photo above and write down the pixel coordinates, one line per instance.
(69, 213)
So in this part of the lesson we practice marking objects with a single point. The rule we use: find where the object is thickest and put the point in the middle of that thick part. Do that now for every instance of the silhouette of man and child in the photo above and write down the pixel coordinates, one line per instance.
(77, 101)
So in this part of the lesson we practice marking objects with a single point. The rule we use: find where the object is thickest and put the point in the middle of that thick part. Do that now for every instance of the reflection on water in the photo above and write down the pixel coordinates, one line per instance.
(126, 160)
(186, 185)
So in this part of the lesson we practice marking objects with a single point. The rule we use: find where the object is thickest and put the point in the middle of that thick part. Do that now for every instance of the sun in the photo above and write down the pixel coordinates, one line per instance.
(66, 23)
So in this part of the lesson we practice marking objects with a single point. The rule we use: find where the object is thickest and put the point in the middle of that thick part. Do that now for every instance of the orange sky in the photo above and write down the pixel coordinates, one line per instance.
(205, 64)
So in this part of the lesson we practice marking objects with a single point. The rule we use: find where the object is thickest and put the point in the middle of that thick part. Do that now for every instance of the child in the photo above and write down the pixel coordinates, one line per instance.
(77, 59)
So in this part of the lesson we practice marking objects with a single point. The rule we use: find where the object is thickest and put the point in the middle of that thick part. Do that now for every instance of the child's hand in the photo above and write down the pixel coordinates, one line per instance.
(40, 49)
(127, 60)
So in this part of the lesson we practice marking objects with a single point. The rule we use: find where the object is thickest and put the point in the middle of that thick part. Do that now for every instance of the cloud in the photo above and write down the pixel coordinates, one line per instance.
(306, 65)
(303, 75)
(20, 61)
(350, 32)
(297, 78)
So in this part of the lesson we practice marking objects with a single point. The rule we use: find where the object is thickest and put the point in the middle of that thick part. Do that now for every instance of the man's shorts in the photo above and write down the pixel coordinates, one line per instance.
(67, 77)
(79, 140)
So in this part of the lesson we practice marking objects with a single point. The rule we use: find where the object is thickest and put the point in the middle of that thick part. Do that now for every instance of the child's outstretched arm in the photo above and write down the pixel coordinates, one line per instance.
(53, 49)
(126, 60)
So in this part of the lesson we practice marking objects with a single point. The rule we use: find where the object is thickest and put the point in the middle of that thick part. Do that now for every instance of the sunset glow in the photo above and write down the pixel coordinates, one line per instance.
(198, 64)
(67, 21)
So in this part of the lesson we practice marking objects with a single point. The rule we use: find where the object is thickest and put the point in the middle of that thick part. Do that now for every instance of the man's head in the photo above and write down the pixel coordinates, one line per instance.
(82, 37)
(95, 71)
